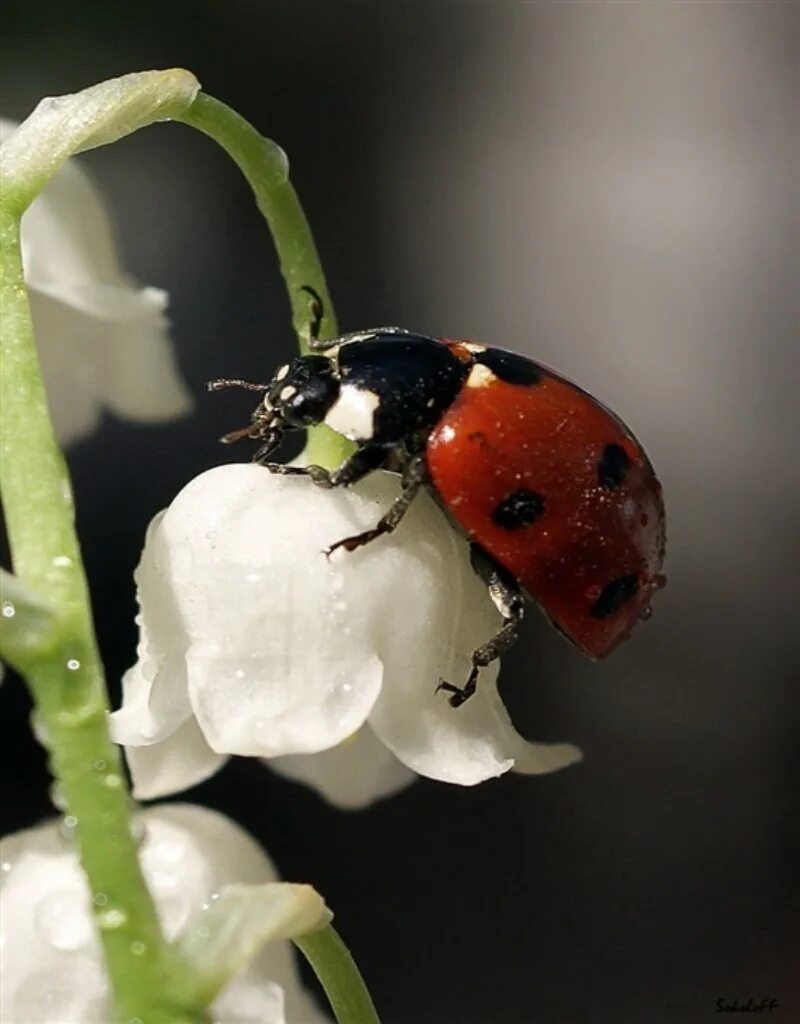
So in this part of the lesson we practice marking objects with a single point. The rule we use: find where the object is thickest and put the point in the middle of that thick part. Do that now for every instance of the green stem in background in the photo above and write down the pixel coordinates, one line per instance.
(339, 976)
(264, 165)
(64, 673)
(47, 629)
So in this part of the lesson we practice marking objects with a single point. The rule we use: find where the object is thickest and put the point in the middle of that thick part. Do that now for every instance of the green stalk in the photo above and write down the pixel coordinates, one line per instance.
(264, 165)
(47, 630)
(339, 976)
(65, 675)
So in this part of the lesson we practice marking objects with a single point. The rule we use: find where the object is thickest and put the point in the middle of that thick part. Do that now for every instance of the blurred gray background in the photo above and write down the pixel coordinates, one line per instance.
(611, 188)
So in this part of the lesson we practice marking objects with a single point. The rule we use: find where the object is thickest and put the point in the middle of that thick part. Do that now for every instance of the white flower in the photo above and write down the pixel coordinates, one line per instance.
(52, 968)
(253, 642)
(102, 340)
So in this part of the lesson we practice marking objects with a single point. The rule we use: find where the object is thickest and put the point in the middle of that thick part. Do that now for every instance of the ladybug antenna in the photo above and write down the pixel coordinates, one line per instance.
(235, 382)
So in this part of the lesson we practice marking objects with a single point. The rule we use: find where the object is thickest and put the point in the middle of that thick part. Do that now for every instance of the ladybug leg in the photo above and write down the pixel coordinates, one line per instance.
(414, 476)
(360, 463)
(507, 598)
(317, 310)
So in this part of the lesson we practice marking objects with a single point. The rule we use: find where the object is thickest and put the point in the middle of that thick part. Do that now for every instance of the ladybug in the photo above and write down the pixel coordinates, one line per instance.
(554, 493)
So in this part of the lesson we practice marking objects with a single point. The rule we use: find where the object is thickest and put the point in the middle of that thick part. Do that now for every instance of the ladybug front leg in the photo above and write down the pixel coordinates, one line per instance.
(360, 464)
(415, 474)
(507, 598)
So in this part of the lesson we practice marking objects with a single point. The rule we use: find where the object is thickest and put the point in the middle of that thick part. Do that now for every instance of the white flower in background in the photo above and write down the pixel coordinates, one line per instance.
(103, 341)
(254, 643)
(52, 967)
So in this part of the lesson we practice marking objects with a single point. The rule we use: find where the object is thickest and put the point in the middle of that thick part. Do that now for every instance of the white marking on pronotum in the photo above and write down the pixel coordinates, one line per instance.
(480, 376)
(287, 392)
(470, 346)
(282, 372)
(353, 413)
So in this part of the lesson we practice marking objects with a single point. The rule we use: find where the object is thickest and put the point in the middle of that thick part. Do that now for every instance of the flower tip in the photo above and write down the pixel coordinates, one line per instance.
(543, 758)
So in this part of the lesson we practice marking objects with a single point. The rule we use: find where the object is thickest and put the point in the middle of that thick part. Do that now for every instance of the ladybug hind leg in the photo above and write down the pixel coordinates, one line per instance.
(507, 598)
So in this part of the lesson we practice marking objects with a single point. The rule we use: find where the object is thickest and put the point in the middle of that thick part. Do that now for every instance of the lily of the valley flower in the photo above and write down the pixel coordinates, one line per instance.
(52, 962)
(103, 341)
(253, 642)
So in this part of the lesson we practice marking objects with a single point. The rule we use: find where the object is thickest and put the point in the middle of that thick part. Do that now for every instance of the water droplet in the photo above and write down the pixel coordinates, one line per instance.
(112, 781)
(99, 899)
(112, 918)
(138, 948)
(99, 765)
(77, 717)
(138, 831)
(5, 867)
(73, 664)
(62, 561)
(66, 828)
(38, 728)
(57, 797)
(63, 922)
(9, 611)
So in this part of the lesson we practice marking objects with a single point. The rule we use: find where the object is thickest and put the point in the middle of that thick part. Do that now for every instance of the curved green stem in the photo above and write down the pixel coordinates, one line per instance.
(49, 632)
(264, 165)
(339, 976)
(64, 673)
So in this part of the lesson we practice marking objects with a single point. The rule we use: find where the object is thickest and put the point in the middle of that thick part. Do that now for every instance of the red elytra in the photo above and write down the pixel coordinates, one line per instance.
(591, 554)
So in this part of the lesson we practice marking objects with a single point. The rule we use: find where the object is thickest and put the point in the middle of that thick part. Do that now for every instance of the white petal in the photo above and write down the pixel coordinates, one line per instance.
(52, 963)
(463, 745)
(274, 663)
(155, 690)
(103, 341)
(354, 774)
(224, 935)
(178, 762)
(287, 652)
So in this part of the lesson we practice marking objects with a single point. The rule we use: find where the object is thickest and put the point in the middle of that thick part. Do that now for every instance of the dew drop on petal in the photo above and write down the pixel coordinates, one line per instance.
(8, 610)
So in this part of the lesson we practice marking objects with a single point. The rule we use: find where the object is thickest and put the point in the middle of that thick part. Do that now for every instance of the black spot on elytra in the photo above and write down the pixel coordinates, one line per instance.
(615, 594)
(518, 509)
(510, 367)
(613, 466)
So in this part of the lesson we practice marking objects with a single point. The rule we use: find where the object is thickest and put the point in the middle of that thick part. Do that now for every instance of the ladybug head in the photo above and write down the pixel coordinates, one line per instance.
(301, 392)
(299, 395)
